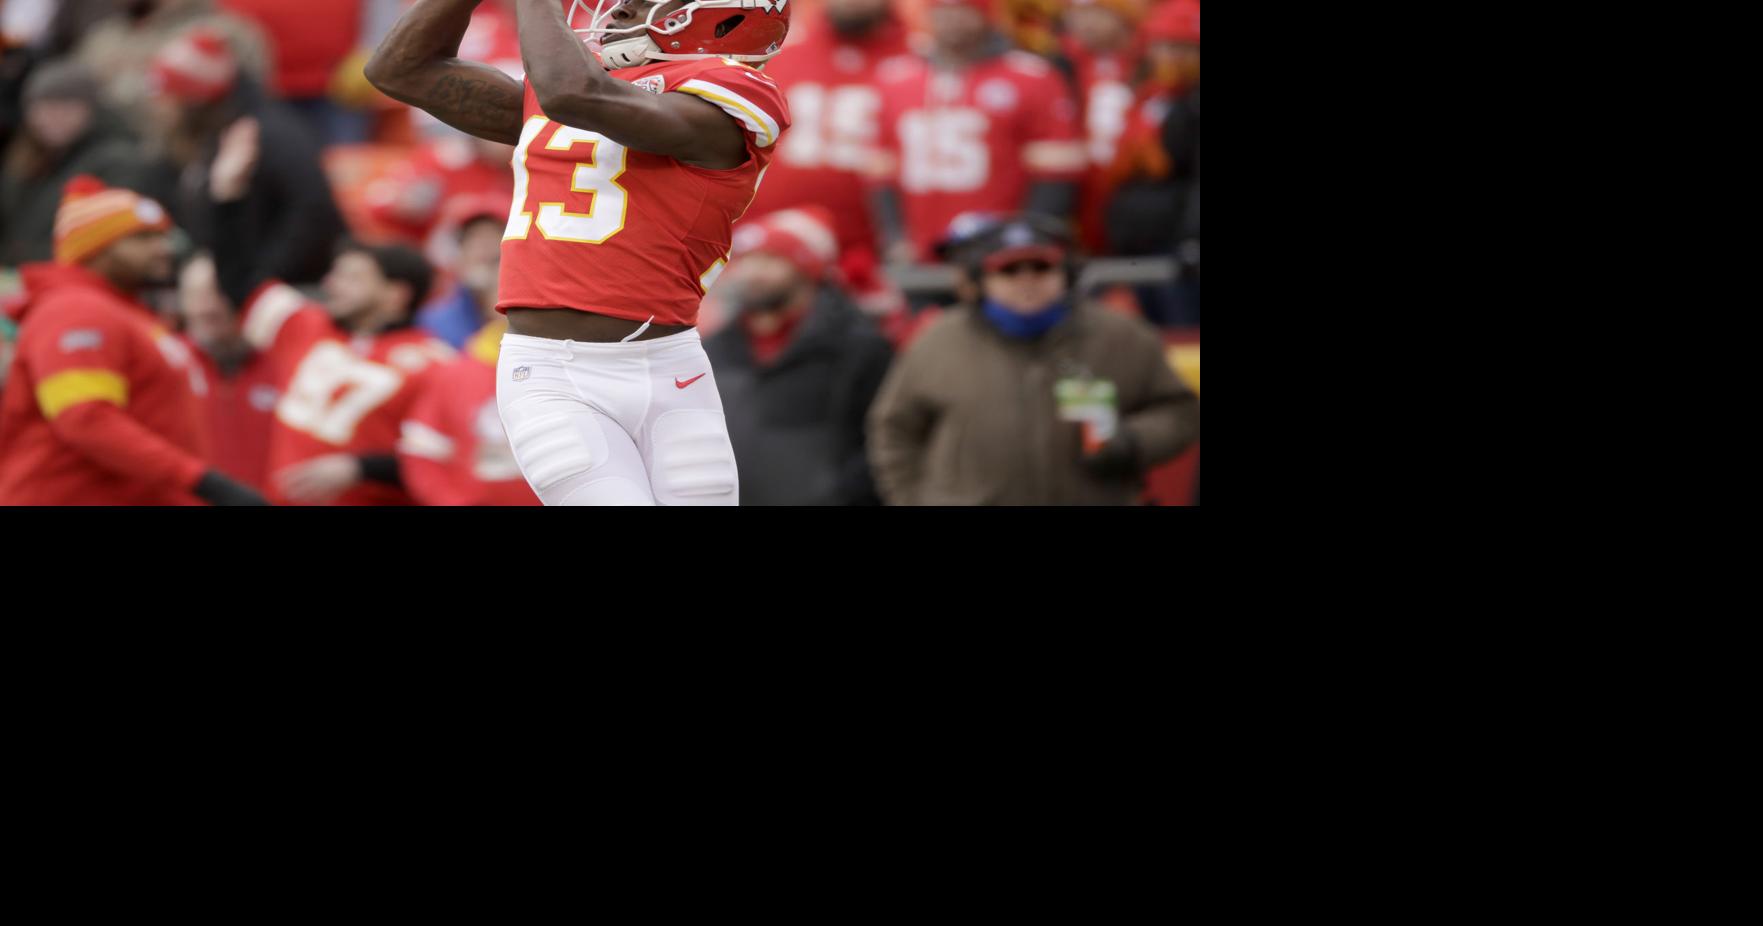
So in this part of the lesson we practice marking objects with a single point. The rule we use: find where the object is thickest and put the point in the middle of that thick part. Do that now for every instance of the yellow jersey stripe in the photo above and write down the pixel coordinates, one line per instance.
(72, 387)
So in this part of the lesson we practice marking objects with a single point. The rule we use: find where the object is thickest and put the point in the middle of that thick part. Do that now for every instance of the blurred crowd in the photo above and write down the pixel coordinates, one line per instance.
(1011, 142)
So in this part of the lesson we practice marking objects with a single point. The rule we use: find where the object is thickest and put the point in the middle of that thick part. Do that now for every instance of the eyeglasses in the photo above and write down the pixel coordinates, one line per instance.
(1036, 267)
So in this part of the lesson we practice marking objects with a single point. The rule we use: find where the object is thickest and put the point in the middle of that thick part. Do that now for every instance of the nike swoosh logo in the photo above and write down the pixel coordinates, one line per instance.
(680, 385)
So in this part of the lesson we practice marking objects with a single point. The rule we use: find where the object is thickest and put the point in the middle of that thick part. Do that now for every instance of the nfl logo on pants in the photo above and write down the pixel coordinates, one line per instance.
(521, 373)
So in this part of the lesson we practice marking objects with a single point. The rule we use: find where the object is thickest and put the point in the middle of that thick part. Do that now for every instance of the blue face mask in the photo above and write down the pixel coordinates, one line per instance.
(1024, 327)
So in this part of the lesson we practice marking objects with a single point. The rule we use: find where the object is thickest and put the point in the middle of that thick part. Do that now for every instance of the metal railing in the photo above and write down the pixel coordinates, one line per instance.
(929, 279)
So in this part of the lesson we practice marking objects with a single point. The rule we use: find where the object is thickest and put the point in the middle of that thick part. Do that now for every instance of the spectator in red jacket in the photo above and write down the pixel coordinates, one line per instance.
(101, 406)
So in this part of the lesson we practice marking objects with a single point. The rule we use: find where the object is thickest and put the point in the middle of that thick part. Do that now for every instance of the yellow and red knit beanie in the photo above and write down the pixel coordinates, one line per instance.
(93, 216)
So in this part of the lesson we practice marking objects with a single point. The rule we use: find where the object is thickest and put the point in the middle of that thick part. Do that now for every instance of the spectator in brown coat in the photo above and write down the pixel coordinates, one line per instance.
(1029, 398)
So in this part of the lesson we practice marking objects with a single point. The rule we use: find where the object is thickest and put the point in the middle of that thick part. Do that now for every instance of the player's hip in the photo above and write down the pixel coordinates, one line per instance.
(587, 327)
(625, 380)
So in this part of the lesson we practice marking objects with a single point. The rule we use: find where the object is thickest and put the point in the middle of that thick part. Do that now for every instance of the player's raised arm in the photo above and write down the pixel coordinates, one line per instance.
(574, 89)
(418, 64)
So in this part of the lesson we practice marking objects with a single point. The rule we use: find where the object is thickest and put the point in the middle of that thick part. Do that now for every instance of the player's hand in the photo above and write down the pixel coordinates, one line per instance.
(236, 161)
(320, 481)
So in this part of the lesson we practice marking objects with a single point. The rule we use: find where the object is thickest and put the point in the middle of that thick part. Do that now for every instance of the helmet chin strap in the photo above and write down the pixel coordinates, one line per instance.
(628, 53)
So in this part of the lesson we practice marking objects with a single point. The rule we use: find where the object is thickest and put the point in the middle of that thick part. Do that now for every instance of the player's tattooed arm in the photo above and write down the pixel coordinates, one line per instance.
(574, 89)
(418, 64)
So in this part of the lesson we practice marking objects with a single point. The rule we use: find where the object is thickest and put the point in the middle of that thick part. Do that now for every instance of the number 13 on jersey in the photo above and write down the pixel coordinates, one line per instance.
(597, 178)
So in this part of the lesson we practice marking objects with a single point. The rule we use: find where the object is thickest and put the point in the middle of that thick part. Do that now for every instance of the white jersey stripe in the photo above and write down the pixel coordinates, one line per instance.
(268, 312)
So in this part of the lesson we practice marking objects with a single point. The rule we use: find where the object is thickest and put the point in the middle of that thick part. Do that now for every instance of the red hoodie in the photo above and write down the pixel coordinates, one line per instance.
(101, 407)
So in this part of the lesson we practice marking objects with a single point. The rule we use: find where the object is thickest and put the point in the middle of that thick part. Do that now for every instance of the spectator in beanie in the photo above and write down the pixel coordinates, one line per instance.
(198, 91)
(65, 133)
(102, 404)
(798, 366)
(1030, 398)
(120, 46)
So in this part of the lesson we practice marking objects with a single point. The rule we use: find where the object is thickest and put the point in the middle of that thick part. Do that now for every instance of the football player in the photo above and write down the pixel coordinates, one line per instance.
(641, 130)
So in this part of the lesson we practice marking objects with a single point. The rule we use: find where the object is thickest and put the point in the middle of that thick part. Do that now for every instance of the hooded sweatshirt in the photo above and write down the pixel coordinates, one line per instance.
(101, 406)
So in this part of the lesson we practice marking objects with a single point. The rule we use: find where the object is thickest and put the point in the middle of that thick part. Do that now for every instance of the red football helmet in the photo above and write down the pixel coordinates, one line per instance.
(744, 30)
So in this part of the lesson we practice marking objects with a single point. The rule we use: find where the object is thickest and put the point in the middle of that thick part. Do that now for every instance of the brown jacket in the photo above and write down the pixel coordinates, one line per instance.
(968, 417)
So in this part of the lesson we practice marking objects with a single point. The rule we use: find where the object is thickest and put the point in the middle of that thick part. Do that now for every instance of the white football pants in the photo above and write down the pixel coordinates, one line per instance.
(626, 423)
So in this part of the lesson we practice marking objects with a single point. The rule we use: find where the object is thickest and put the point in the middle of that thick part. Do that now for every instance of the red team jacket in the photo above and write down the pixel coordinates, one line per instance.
(102, 405)
(598, 227)
(239, 412)
(452, 449)
(339, 394)
(973, 140)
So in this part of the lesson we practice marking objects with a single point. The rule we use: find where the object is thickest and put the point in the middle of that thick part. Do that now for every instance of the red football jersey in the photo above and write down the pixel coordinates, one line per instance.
(339, 394)
(836, 109)
(973, 140)
(600, 228)
(452, 449)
